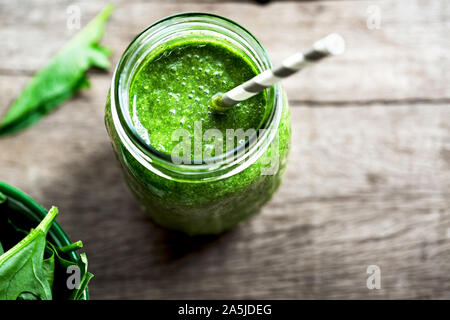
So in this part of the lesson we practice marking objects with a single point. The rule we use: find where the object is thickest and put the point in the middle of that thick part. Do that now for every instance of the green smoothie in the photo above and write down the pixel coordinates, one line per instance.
(170, 87)
(173, 88)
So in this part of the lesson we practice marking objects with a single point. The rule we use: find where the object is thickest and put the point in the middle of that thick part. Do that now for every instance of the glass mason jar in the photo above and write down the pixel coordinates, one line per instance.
(207, 197)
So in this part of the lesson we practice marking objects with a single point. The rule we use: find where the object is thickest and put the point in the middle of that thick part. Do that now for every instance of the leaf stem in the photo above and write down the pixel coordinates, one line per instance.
(43, 227)
(71, 247)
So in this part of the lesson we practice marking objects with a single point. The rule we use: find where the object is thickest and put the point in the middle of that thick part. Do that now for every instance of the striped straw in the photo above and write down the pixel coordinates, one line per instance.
(332, 44)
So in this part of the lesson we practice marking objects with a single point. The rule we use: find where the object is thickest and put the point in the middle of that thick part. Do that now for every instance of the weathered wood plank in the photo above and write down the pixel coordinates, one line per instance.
(367, 183)
(405, 59)
(364, 186)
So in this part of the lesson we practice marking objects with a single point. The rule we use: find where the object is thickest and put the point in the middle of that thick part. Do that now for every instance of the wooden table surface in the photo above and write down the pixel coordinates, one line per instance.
(368, 181)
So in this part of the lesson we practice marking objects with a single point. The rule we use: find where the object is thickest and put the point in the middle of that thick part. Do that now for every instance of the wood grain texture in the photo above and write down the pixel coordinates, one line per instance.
(367, 183)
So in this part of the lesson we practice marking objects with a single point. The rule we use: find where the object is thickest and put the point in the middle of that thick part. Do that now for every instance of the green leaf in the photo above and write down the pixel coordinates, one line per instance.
(48, 266)
(55, 263)
(61, 78)
(61, 266)
(23, 271)
(27, 296)
(71, 247)
(2, 200)
(78, 293)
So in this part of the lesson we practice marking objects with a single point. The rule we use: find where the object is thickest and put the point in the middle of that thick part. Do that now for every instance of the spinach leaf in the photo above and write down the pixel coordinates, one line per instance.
(61, 276)
(23, 271)
(49, 265)
(61, 78)
(27, 296)
(2, 200)
(71, 247)
(78, 293)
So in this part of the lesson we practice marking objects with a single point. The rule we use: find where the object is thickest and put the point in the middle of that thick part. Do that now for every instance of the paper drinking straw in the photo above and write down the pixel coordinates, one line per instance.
(332, 44)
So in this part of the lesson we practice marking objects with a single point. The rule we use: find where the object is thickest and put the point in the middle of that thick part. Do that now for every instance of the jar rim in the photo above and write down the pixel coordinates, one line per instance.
(135, 143)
